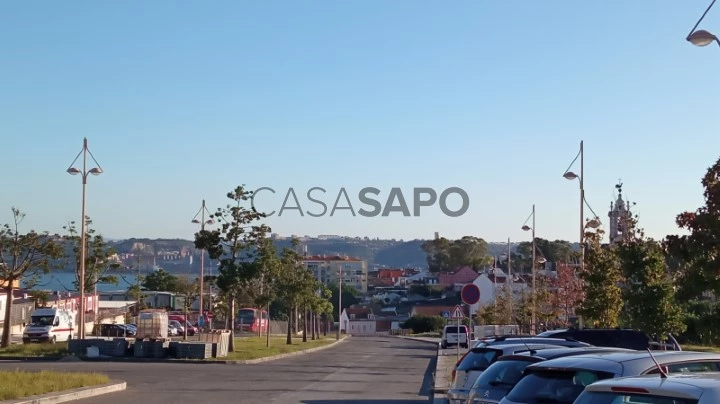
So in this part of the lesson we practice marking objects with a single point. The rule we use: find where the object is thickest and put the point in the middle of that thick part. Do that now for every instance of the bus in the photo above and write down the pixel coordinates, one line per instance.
(251, 320)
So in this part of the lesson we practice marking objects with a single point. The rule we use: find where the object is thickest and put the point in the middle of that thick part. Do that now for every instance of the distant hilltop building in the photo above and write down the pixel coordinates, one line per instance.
(330, 237)
(327, 268)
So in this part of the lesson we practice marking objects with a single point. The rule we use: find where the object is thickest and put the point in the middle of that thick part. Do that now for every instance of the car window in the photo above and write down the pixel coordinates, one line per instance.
(625, 398)
(452, 330)
(689, 367)
(478, 359)
(503, 373)
(556, 386)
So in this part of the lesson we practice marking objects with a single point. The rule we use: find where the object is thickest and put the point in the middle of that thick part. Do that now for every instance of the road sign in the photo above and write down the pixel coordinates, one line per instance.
(458, 313)
(470, 294)
(209, 315)
(445, 314)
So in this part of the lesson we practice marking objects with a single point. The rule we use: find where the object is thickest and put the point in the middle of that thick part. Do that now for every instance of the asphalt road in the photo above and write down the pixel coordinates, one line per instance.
(363, 370)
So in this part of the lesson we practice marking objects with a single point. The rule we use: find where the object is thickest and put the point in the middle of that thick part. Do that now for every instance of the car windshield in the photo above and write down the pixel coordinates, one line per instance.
(41, 321)
(554, 386)
(627, 398)
(503, 373)
(454, 330)
(478, 359)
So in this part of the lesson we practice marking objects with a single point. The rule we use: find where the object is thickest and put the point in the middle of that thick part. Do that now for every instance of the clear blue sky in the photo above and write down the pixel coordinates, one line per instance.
(182, 101)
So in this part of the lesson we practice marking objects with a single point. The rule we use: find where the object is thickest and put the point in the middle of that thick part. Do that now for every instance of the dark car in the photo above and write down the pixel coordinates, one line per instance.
(614, 337)
(114, 330)
(500, 377)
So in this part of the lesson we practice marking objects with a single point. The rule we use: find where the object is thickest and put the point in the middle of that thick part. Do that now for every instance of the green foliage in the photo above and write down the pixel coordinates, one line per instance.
(420, 324)
(500, 311)
(297, 286)
(160, 281)
(99, 266)
(648, 292)
(23, 256)
(446, 255)
(696, 256)
(568, 293)
(188, 289)
(426, 291)
(603, 301)
(553, 251)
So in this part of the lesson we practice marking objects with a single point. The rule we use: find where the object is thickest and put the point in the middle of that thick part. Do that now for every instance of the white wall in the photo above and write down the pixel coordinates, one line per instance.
(360, 327)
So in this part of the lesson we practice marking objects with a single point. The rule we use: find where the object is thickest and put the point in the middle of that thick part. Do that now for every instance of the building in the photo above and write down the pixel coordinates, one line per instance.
(619, 216)
(460, 276)
(358, 321)
(327, 268)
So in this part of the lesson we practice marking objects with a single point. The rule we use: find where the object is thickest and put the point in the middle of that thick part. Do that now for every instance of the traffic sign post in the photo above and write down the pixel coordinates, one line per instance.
(458, 314)
(470, 294)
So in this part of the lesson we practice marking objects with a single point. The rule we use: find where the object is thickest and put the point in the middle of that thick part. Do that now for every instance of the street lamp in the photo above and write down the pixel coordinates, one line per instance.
(202, 222)
(569, 175)
(702, 37)
(525, 227)
(74, 171)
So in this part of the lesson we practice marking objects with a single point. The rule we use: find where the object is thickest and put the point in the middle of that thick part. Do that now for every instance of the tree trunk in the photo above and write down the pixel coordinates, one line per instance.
(231, 344)
(296, 327)
(326, 326)
(5, 342)
(312, 325)
(267, 333)
(304, 324)
(288, 339)
(186, 323)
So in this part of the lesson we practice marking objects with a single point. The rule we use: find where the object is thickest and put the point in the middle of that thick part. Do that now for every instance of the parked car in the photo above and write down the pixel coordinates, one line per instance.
(568, 342)
(474, 363)
(172, 331)
(562, 380)
(178, 326)
(498, 379)
(697, 388)
(453, 335)
(114, 330)
(614, 337)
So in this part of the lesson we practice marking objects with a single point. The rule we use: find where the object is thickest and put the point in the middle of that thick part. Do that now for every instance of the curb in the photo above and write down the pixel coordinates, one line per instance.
(281, 356)
(421, 340)
(31, 358)
(71, 395)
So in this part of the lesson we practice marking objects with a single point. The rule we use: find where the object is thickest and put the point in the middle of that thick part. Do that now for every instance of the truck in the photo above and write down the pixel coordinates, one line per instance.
(49, 325)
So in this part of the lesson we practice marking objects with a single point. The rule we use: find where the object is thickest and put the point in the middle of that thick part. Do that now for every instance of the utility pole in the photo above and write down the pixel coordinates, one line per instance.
(339, 308)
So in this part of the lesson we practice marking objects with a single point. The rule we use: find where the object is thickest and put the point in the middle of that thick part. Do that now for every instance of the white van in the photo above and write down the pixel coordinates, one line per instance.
(49, 325)
(453, 335)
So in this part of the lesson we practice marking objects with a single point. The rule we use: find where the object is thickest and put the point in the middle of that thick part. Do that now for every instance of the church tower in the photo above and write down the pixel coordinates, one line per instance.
(619, 215)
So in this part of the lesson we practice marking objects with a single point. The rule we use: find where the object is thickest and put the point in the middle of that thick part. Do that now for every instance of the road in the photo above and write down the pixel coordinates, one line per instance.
(363, 370)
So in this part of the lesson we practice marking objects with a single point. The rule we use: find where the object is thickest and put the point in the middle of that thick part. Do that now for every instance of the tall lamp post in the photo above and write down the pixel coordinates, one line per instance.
(593, 223)
(84, 172)
(202, 222)
(525, 227)
(702, 37)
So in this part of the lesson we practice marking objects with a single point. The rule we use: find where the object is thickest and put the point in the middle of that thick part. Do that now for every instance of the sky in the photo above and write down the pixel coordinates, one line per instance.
(184, 101)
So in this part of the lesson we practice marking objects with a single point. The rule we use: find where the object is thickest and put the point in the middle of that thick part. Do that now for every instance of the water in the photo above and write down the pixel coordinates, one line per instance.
(64, 281)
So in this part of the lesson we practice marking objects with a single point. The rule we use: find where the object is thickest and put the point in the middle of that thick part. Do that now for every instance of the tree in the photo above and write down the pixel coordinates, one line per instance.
(500, 311)
(234, 245)
(602, 302)
(444, 255)
(264, 290)
(697, 255)
(295, 283)
(553, 251)
(160, 281)
(648, 291)
(23, 256)
(99, 266)
(547, 311)
(568, 292)
(188, 290)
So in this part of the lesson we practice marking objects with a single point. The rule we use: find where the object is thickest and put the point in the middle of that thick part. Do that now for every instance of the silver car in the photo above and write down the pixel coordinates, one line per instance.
(694, 388)
(562, 380)
(476, 361)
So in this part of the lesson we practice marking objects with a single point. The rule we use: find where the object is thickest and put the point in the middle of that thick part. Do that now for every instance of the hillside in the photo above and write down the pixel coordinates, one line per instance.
(388, 253)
